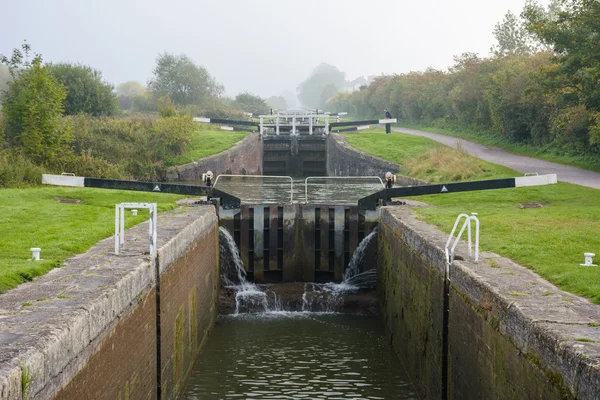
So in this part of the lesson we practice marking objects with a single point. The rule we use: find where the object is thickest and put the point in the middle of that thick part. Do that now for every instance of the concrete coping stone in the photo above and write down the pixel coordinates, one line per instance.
(557, 329)
(47, 325)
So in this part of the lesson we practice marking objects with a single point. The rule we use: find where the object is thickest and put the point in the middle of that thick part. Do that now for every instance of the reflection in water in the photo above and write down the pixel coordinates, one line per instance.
(272, 190)
(298, 356)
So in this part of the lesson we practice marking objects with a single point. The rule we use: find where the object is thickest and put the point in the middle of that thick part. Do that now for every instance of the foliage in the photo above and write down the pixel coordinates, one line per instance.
(323, 82)
(183, 81)
(172, 136)
(221, 108)
(247, 102)
(573, 33)
(512, 37)
(508, 97)
(4, 77)
(133, 147)
(166, 107)
(130, 89)
(16, 170)
(32, 107)
(277, 102)
(127, 91)
(87, 93)
(520, 96)
(144, 103)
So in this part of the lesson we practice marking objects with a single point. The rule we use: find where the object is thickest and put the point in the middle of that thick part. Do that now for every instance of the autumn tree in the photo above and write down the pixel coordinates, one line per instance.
(32, 106)
(184, 81)
(87, 92)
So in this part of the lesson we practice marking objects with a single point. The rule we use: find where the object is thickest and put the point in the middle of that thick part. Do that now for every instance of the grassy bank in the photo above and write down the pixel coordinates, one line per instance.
(33, 217)
(424, 158)
(207, 142)
(550, 240)
(542, 152)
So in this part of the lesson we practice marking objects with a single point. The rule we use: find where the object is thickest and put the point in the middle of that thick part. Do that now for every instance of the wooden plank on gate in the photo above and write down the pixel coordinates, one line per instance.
(324, 239)
(272, 241)
(244, 235)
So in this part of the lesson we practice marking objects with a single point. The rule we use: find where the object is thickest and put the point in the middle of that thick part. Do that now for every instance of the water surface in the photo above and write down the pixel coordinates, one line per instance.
(298, 356)
(277, 190)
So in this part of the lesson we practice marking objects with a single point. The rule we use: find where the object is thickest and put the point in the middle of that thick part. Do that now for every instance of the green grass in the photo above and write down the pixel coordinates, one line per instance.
(206, 143)
(550, 240)
(394, 147)
(424, 158)
(31, 218)
(542, 152)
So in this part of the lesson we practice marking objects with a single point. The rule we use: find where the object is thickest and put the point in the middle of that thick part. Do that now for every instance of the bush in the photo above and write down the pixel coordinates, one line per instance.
(32, 107)
(16, 170)
(86, 91)
(172, 136)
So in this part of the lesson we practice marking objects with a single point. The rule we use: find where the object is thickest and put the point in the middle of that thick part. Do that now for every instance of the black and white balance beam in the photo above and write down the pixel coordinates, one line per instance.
(224, 121)
(371, 202)
(227, 200)
(364, 122)
(355, 128)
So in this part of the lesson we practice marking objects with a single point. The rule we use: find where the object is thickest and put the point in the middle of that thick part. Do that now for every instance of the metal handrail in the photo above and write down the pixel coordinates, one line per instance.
(262, 176)
(466, 224)
(336, 177)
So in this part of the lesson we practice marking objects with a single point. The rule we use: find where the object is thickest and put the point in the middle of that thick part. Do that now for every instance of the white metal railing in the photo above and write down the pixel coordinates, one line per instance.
(294, 121)
(262, 176)
(337, 177)
(467, 224)
(120, 225)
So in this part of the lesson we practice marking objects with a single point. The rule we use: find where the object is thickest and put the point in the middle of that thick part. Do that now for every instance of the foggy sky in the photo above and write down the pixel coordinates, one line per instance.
(262, 46)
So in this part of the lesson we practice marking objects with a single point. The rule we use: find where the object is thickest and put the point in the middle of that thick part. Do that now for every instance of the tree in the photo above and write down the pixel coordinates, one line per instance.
(512, 37)
(310, 92)
(277, 102)
(131, 89)
(4, 77)
(183, 81)
(87, 93)
(127, 92)
(32, 106)
(250, 103)
(574, 35)
(144, 102)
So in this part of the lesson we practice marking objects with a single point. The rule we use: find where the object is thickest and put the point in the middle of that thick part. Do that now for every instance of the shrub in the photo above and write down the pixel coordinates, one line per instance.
(17, 170)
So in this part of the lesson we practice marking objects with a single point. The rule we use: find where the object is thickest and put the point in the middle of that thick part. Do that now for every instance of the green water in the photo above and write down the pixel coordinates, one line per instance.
(298, 356)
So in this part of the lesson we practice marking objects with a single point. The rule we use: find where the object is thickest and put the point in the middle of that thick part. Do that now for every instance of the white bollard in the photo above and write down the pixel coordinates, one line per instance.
(134, 212)
(589, 262)
(35, 253)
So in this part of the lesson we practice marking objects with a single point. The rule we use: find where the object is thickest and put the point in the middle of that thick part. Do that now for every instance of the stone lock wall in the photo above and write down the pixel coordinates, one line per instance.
(344, 160)
(508, 334)
(243, 158)
(98, 327)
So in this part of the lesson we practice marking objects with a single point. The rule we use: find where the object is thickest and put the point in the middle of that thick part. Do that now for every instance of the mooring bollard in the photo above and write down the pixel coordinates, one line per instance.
(589, 260)
(35, 253)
